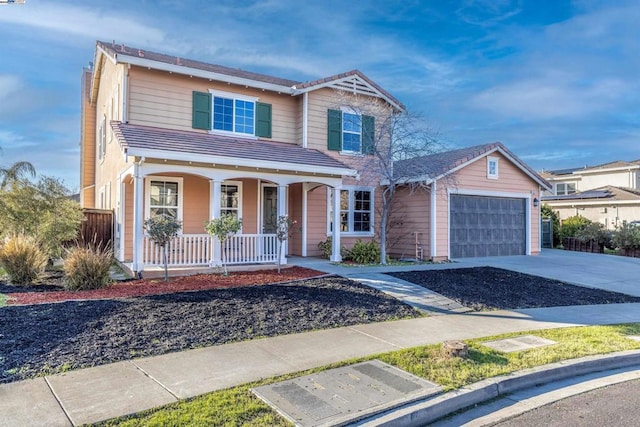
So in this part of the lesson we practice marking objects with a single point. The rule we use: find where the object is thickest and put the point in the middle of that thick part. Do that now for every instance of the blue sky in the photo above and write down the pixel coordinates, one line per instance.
(556, 81)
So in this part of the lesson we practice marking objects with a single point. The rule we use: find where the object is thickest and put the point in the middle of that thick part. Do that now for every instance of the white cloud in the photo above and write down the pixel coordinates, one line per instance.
(82, 21)
(9, 84)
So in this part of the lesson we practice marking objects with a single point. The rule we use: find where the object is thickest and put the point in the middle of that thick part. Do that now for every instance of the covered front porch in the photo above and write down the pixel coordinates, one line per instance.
(194, 194)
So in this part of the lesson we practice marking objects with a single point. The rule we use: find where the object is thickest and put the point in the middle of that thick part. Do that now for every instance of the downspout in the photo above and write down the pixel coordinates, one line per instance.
(305, 119)
(125, 94)
(432, 237)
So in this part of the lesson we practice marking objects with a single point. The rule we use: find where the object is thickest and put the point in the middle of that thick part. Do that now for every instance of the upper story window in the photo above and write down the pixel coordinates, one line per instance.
(231, 113)
(102, 138)
(565, 188)
(350, 132)
(492, 167)
(164, 197)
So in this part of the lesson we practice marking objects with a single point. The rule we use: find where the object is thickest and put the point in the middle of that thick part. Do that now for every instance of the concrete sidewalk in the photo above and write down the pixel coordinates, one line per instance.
(95, 394)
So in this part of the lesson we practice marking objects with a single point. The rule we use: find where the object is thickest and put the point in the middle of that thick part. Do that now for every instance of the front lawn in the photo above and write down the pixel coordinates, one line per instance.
(238, 406)
(488, 288)
(47, 338)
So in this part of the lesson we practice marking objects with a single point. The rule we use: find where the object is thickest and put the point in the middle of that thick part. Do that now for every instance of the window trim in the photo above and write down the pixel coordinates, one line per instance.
(239, 184)
(352, 189)
(566, 191)
(147, 192)
(496, 161)
(350, 110)
(102, 139)
(233, 96)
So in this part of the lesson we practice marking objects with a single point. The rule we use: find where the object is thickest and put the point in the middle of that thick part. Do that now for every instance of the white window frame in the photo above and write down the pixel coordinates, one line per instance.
(102, 136)
(493, 161)
(239, 184)
(233, 96)
(565, 192)
(349, 110)
(352, 189)
(147, 192)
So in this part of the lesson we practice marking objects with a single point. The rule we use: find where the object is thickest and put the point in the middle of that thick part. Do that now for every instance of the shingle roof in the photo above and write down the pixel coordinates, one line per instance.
(608, 192)
(121, 49)
(435, 165)
(608, 165)
(134, 138)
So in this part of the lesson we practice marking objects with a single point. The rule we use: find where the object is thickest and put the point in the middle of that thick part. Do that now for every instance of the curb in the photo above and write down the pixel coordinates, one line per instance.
(427, 411)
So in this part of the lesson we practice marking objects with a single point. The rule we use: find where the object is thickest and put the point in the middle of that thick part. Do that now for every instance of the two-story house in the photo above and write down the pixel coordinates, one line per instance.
(608, 193)
(168, 135)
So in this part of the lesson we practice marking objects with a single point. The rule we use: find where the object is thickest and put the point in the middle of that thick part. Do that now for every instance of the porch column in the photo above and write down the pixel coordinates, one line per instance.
(305, 195)
(138, 220)
(215, 190)
(434, 224)
(335, 235)
(282, 211)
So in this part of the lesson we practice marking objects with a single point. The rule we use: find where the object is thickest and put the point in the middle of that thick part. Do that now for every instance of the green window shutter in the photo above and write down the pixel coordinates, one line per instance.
(334, 130)
(368, 134)
(201, 118)
(263, 120)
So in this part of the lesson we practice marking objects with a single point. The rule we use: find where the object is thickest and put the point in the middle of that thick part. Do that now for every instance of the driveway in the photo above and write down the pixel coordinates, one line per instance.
(609, 272)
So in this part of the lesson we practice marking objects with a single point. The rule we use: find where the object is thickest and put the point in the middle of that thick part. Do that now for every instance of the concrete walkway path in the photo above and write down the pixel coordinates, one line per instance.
(95, 394)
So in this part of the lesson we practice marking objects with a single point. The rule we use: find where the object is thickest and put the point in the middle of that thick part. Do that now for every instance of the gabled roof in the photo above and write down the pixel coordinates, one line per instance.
(354, 81)
(601, 194)
(615, 165)
(152, 142)
(435, 166)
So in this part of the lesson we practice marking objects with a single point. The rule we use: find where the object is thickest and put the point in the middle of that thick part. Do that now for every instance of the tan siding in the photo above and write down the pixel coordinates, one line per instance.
(411, 213)
(195, 201)
(249, 206)
(88, 145)
(128, 222)
(164, 100)
(295, 214)
(316, 219)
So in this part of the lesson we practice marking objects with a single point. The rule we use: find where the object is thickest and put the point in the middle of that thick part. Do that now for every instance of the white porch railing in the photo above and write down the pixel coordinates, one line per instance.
(197, 250)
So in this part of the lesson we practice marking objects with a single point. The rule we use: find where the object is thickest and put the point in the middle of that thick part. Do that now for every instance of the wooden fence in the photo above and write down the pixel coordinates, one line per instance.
(97, 228)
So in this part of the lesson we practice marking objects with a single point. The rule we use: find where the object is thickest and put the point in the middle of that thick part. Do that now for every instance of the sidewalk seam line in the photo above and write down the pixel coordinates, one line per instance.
(374, 337)
(155, 380)
(55, 396)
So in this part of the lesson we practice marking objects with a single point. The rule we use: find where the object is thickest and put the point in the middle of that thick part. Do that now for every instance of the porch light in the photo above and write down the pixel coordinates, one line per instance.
(535, 202)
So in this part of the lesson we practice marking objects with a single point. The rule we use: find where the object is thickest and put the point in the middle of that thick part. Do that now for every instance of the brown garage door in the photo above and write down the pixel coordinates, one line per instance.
(487, 226)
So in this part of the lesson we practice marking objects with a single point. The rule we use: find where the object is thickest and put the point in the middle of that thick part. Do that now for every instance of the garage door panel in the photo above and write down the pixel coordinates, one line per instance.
(487, 226)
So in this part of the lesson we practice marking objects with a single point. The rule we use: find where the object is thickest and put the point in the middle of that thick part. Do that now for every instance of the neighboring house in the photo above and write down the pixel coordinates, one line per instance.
(473, 202)
(607, 193)
(167, 135)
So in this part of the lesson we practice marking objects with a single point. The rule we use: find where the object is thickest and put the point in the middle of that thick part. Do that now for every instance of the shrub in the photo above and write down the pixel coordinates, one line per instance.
(571, 225)
(593, 231)
(87, 267)
(326, 247)
(23, 258)
(162, 229)
(365, 252)
(626, 237)
(223, 228)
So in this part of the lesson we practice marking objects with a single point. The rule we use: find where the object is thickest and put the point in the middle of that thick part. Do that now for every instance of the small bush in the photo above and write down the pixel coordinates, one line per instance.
(626, 237)
(326, 249)
(593, 231)
(23, 258)
(572, 225)
(365, 252)
(87, 267)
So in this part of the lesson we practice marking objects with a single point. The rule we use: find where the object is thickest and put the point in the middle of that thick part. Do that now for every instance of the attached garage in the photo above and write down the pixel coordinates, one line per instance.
(487, 226)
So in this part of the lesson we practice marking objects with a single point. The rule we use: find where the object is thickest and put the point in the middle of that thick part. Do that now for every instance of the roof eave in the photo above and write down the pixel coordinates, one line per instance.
(195, 72)
(238, 161)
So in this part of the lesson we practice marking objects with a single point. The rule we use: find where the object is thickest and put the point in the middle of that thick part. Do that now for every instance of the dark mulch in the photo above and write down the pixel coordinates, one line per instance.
(488, 288)
(36, 339)
(47, 282)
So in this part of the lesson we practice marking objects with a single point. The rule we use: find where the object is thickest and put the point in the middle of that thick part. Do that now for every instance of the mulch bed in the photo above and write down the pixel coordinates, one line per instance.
(47, 338)
(488, 288)
(50, 287)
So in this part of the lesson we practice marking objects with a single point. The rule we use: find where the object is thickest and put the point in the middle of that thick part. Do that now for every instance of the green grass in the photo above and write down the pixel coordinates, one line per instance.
(237, 406)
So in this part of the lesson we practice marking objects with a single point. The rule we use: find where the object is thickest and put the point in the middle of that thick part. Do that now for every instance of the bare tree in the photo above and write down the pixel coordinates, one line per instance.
(392, 152)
